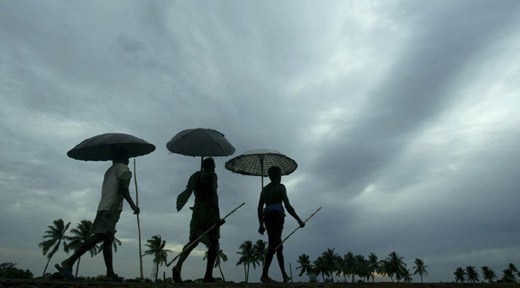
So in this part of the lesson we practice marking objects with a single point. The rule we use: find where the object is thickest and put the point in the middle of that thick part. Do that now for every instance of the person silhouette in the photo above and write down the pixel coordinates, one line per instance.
(205, 214)
(272, 218)
(114, 190)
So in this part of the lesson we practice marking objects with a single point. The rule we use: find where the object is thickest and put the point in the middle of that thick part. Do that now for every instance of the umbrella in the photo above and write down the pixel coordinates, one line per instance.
(201, 142)
(102, 147)
(256, 162)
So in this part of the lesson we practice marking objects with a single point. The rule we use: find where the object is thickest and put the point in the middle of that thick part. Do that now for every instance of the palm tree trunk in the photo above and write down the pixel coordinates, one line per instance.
(77, 266)
(46, 265)
(222, 274)
(245, 272)
(156, 271)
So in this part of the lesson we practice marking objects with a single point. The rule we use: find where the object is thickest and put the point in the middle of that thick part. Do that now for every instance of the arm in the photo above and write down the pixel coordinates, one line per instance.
(123, 183)
(260, 211)
(289, 208)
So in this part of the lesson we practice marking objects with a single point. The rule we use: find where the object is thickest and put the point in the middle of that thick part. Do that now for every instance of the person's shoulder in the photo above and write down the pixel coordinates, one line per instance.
(120, 166)
(122, 170)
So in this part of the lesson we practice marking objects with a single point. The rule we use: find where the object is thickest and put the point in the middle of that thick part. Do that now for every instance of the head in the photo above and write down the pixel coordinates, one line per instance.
(275, 173)
(120, 156)
(208, 164)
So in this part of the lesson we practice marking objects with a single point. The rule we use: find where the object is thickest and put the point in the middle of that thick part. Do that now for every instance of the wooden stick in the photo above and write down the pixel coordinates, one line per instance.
(297, 228)
(138, 223)
(202, 235)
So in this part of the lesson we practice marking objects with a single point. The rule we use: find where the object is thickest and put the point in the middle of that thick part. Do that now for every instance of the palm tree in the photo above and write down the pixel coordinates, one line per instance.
(156, 248)
(472, 274)
(384, 267)
(319, 267)
(259, 250)
(488, 274)
(407, 276)
(420, 268)
(348, 265)
(54, 236)
(305, 266)
(373, 265)
(395, 266)
(330, 262)
(512, 267)
(80, 234)
(508, 276)
(221, 257)
(459, 275)
(361, 267)
(247, 257)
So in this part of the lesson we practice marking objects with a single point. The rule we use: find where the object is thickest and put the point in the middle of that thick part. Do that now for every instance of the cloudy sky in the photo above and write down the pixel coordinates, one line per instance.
(402, 116)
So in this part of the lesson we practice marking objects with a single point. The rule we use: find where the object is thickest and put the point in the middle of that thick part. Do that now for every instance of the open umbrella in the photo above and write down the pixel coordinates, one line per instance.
(201, 142)
(102, 147)
(256, 162)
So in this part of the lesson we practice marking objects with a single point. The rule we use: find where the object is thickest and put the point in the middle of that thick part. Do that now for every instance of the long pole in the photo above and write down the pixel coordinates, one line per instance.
(202, 235)
(138, 222)
(286, 237)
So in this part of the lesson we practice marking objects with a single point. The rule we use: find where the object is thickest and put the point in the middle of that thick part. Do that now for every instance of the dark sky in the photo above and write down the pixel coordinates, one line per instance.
(402, 116)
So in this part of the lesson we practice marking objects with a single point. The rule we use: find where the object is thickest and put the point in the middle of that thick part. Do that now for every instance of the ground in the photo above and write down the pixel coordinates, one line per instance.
(84, 284)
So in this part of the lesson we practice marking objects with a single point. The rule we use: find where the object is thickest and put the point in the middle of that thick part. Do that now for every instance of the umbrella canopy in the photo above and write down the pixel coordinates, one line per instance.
(256, 162)
(200, 142)
(102, 147)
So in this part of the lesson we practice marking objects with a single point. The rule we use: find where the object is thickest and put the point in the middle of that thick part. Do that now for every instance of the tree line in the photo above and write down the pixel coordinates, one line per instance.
(470, 274)
(326, 266)
(331, 264)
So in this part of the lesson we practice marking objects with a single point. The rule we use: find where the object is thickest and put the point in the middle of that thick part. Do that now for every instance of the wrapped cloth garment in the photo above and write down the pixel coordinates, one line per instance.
(204, 184)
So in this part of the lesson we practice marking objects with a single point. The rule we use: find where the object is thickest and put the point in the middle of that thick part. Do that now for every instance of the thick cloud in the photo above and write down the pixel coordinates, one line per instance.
(401, 116)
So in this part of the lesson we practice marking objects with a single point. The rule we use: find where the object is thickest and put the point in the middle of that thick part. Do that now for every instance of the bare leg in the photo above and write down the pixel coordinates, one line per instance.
(268, 260)
(86, 246)
(279, 256)
(212, 257)
(107, 255)
(176, 270)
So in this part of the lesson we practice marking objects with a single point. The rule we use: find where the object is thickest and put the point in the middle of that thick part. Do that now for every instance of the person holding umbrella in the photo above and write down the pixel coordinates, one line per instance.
(114, 191)
(272, 218)
(205, 215)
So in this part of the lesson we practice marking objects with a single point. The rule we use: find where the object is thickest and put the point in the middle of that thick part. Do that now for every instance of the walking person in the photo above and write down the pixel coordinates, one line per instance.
(114, 190)
(205, 214)
(271, 218)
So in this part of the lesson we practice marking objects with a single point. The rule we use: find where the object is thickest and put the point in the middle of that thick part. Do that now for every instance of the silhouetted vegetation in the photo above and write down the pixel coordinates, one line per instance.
(54, 236)
(57, 235)
(156, 249)
(9, 270)
(470, 274)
